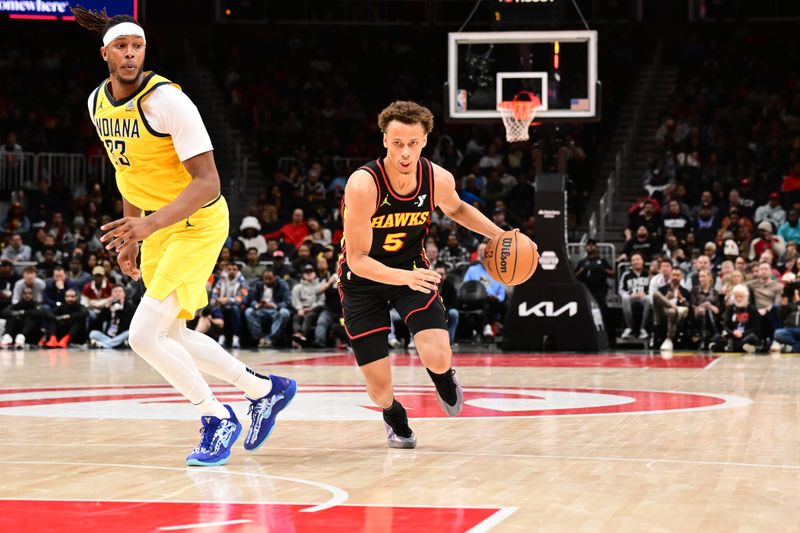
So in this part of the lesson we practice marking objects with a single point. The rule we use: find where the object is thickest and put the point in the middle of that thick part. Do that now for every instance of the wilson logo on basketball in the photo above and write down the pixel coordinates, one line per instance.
(510, 258)
(505, 251)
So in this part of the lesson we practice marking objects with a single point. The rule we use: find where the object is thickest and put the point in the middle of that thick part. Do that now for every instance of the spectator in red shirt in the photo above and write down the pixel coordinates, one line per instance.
(791, 181)
(97, 293)
(294, 232)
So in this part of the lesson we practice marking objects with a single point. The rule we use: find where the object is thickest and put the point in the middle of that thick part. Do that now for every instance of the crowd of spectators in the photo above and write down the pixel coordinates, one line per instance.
(302, 101)
(711, 251)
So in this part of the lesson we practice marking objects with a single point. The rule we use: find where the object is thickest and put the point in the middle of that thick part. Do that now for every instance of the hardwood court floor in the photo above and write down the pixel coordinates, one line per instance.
(94, 441)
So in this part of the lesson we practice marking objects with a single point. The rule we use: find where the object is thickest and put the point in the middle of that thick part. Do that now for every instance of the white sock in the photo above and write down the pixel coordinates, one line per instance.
(212, 407)
(213, 359)
(253, 385)
(149, 338)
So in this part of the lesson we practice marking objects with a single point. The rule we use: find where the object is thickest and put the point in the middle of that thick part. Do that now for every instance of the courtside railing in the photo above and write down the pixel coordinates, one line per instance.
(20, 170)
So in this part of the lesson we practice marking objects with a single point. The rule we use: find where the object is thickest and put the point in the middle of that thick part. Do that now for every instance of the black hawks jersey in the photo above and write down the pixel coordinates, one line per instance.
(399, 223)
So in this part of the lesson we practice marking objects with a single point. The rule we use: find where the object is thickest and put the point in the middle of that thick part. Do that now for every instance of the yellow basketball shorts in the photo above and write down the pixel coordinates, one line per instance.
(180, 258)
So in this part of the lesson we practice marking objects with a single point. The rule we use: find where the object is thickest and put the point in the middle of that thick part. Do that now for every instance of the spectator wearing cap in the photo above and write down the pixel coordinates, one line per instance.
(96, 295)
(308, 302)
(772, 211)
(77, 275)
(499, 218)
(31, 281)
(636, 209)
(17, 251)
(250, 237)
(766, 241)
(730, 250)
(282, 269)
(8, 278)
(329, 253)
(790, 230)
(293, 232)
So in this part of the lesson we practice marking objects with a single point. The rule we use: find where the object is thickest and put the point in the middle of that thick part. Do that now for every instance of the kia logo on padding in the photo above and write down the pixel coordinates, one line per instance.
(548, 309)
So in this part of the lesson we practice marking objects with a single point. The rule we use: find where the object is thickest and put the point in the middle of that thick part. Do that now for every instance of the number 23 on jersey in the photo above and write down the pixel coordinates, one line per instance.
(116, 150)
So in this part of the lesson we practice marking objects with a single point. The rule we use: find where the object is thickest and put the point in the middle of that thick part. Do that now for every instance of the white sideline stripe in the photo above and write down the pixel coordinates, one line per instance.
(494, 520)
(338, 496)
(205, 524)
(332, 489)
(246, 502)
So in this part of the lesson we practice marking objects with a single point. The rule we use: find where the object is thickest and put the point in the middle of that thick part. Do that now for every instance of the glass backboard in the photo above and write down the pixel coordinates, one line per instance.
(560, 67)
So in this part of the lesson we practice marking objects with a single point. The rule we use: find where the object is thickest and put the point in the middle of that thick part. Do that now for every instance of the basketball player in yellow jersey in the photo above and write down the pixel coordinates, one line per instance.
(170, 189)
(387, 208)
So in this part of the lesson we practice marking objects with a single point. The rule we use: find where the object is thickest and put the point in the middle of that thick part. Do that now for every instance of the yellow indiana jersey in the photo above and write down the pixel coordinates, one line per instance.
(148, 171)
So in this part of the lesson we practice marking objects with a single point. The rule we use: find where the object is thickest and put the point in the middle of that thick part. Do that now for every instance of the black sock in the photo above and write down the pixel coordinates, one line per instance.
(445, 386)
(397, 419)
(256, 374)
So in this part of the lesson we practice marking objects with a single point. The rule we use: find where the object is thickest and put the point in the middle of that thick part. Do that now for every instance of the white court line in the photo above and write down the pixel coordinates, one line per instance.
(205, 524)
(416, 452)
(494, 520)
(712, 363)
(338, 496)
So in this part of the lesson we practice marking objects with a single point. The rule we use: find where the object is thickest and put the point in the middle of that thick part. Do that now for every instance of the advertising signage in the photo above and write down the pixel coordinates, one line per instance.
(60, 9)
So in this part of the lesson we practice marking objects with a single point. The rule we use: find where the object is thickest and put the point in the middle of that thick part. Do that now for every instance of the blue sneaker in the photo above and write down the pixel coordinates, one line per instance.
(219, 434)
(264, 410)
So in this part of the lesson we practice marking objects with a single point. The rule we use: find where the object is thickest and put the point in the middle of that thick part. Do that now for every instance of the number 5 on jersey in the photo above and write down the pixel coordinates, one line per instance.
(394, 241)
(116, 150)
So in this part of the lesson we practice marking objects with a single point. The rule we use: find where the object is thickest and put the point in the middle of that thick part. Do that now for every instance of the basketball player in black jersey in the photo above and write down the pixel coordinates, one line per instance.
(386, 208)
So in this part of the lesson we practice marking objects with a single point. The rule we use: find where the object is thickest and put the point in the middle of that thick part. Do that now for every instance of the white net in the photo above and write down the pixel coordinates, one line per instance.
(517, 117)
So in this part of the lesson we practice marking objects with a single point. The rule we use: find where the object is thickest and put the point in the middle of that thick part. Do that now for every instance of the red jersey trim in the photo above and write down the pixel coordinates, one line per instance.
(418, 309)
(389, 185)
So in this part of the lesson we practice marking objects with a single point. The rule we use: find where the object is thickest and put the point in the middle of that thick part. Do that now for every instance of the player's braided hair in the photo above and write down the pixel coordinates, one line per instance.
(99, 21)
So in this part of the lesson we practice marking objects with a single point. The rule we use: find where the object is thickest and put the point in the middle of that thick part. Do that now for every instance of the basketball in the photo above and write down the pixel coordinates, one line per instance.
(511, 258)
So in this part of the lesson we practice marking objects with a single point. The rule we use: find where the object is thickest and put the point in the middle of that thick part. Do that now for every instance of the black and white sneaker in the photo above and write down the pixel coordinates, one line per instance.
(396, 441)
(454, 409)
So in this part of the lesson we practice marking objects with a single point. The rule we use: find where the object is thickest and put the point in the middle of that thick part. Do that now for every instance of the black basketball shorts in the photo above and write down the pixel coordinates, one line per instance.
(366, 316)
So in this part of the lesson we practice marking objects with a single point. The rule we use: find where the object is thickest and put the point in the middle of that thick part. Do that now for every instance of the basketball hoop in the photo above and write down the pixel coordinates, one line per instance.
(518, 115)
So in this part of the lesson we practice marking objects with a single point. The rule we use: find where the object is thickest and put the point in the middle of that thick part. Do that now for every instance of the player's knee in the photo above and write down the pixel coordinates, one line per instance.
(140, 339)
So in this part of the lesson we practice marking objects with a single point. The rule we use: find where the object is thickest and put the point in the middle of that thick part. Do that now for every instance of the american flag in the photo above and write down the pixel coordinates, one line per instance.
(579, 104)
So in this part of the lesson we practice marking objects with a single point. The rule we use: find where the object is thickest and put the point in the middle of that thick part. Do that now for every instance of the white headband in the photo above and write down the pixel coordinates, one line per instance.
(123, 28)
